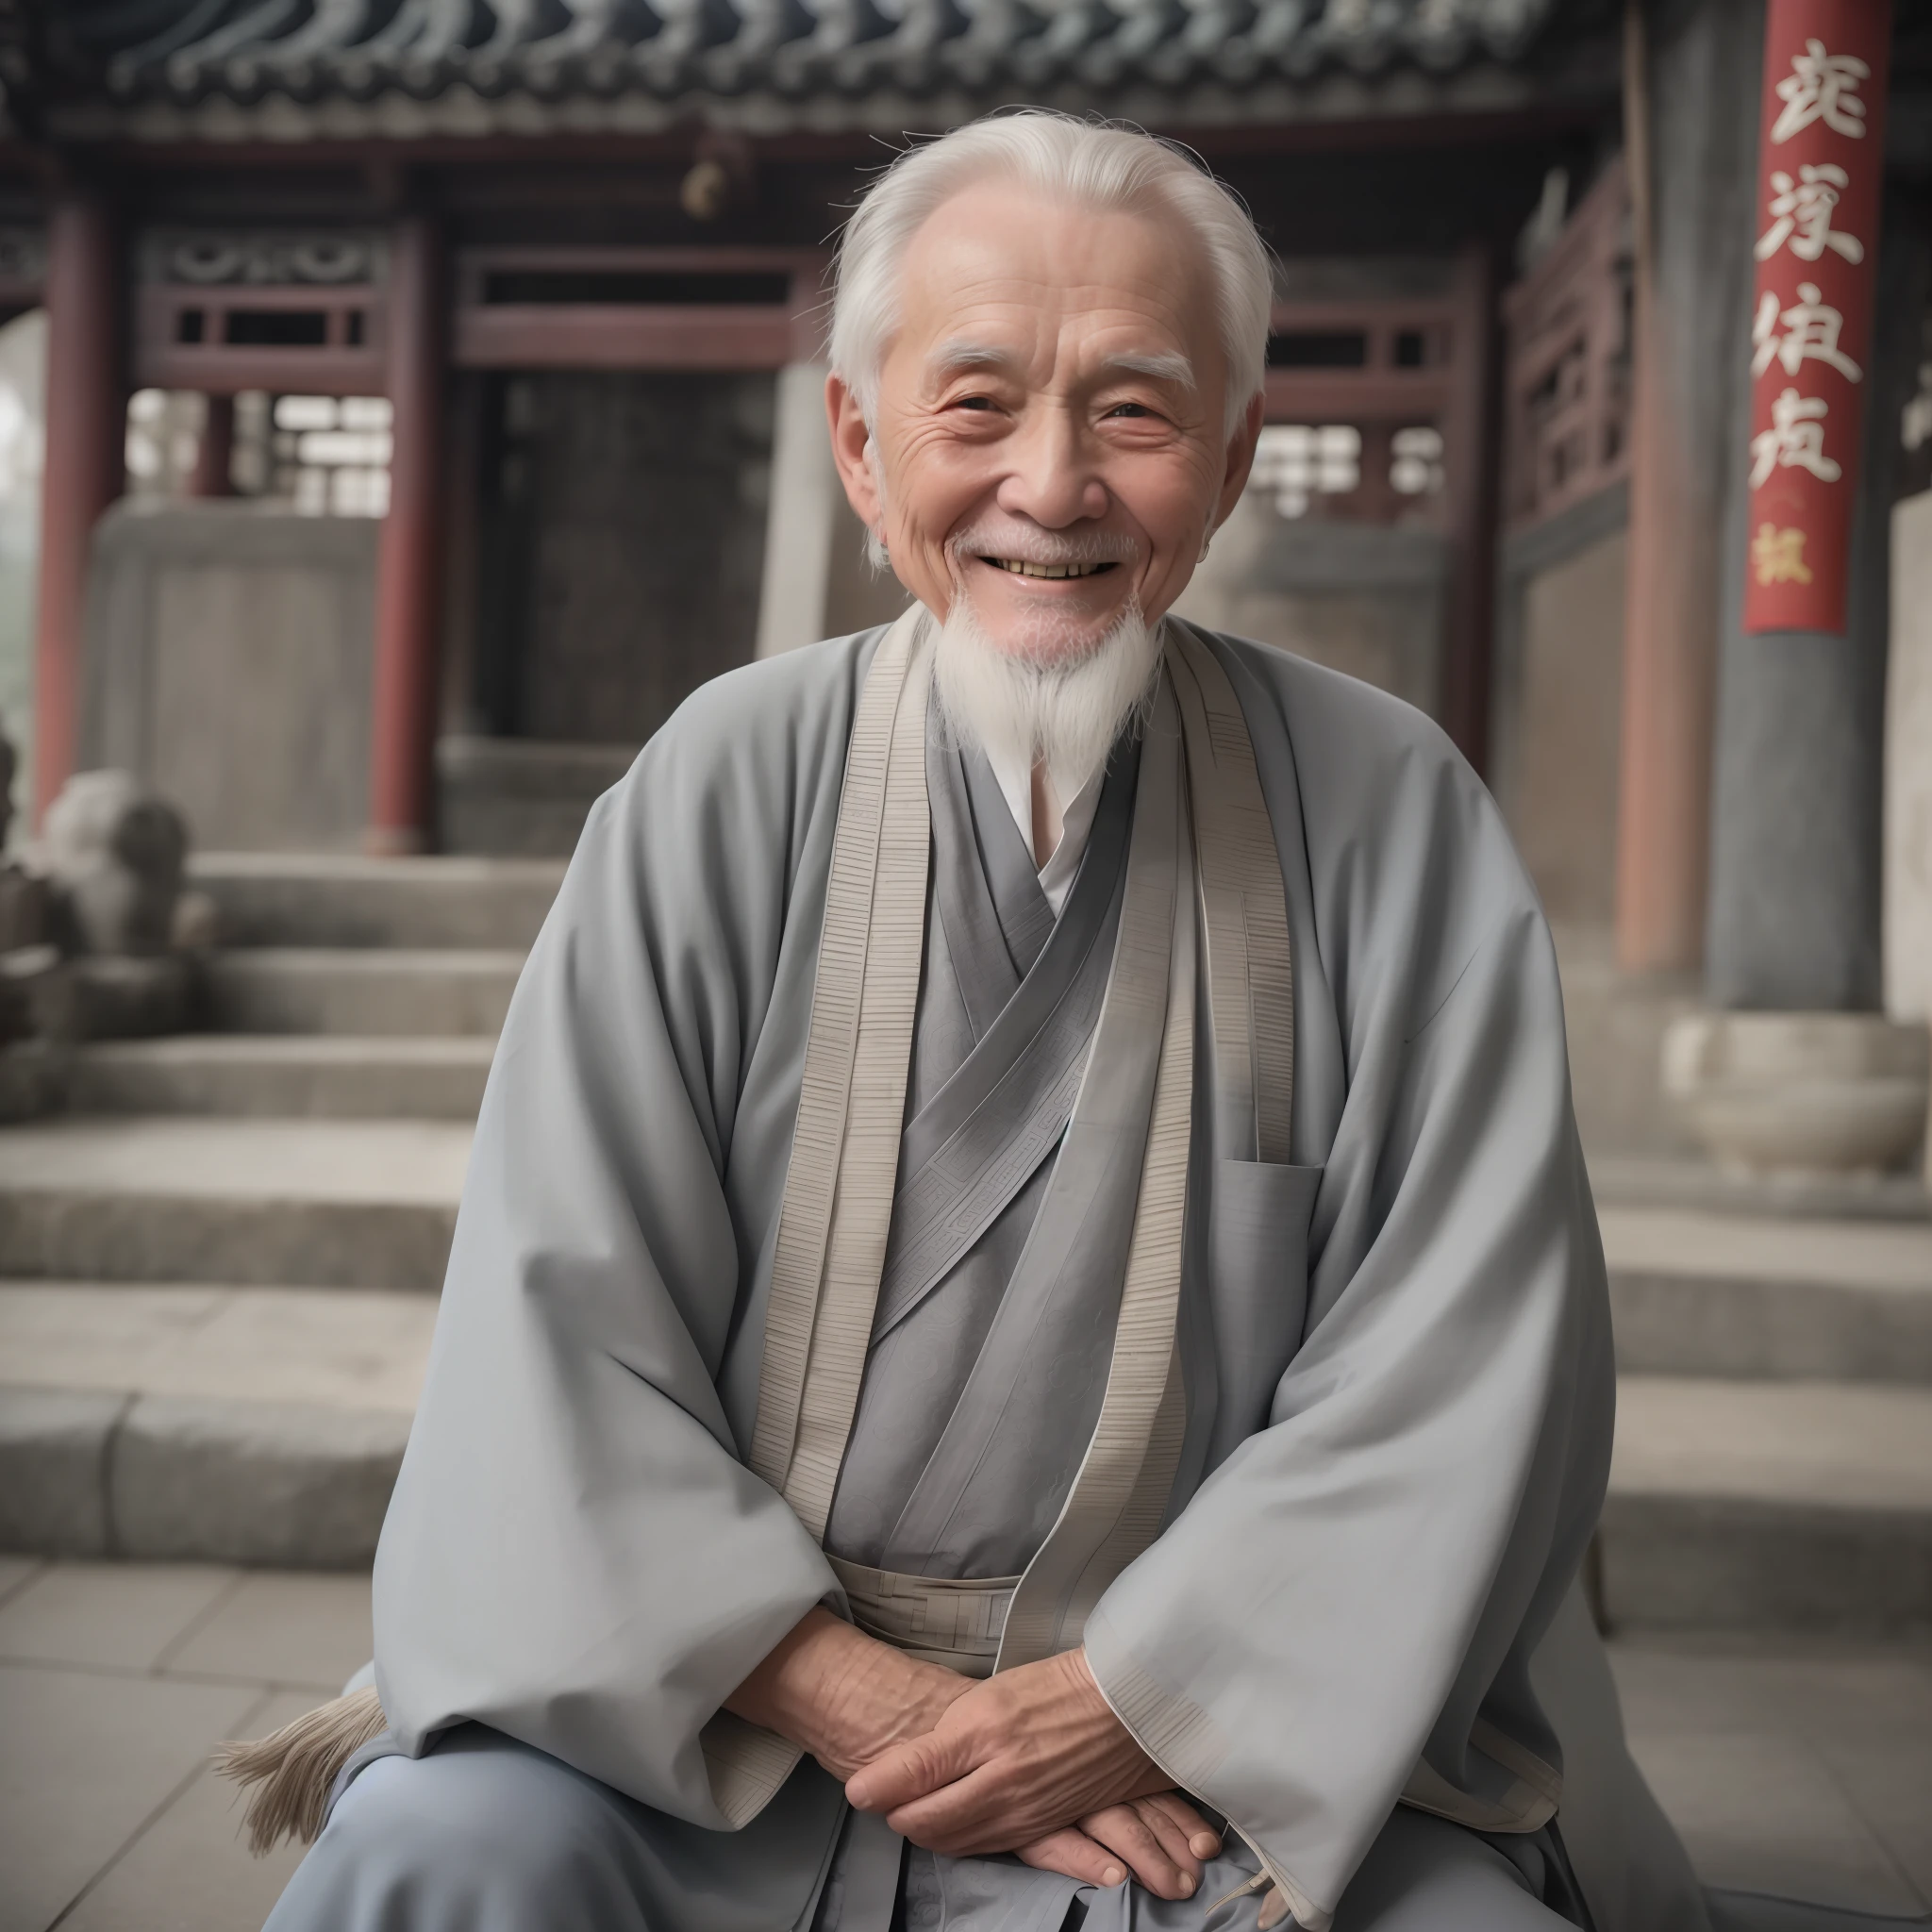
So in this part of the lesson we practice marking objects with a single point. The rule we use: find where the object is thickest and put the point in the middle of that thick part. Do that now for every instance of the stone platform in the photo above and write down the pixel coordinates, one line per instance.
(216, 1288)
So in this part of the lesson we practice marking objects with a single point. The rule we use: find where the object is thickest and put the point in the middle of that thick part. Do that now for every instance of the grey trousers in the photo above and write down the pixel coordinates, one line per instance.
(486, 1835)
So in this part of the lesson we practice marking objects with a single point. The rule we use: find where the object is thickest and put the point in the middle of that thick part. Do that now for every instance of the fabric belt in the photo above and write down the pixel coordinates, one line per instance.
(957, 1622)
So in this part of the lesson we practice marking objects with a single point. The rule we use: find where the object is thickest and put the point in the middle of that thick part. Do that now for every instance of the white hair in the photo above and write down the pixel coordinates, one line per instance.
(1095, 164)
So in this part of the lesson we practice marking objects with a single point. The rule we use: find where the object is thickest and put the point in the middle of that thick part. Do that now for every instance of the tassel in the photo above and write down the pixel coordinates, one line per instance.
(292, 1771)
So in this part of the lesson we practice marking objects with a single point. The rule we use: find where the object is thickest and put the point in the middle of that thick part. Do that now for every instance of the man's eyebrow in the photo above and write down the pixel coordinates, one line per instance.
(1171, 367)
(951, 358)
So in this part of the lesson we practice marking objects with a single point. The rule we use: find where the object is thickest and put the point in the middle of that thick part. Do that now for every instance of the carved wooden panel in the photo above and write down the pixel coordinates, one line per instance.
(1567, 374)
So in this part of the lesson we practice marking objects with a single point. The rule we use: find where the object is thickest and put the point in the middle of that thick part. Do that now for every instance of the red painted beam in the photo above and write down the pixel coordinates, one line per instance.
(409, 584)
(86, 440)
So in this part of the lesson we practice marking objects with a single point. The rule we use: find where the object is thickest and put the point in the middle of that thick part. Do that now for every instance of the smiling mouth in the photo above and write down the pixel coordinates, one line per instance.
(1019, 567)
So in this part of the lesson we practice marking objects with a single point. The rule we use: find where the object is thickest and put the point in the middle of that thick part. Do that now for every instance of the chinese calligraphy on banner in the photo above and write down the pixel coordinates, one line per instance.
(1818, 169)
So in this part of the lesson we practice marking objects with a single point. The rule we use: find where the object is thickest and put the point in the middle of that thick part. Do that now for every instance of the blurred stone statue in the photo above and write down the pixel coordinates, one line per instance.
(115, 854)
(23, 895)
(32, 1000)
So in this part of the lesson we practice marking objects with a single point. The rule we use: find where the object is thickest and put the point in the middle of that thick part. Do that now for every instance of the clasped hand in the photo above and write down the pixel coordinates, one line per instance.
(1032, 1761)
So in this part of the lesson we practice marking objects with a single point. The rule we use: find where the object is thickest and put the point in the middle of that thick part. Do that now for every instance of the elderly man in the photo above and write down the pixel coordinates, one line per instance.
(1027, 1345)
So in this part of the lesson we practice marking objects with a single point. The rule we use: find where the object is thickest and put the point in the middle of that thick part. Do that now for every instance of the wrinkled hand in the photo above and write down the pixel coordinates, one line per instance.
(844, 1696)
(1015, 1758)
(1161, 1839)
(853, 1702)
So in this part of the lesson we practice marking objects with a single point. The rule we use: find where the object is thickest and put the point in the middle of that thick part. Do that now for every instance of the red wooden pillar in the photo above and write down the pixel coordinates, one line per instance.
(86, 440)
(408, 585)
(216, 452)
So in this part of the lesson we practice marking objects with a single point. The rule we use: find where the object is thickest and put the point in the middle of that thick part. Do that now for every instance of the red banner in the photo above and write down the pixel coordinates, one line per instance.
(1819, 164)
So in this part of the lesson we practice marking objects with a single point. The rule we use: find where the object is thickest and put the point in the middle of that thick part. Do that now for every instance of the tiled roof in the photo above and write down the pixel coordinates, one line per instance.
(564, 58)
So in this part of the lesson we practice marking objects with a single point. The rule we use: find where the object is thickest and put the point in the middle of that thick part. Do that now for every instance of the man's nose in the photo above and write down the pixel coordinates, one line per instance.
(1051, 477)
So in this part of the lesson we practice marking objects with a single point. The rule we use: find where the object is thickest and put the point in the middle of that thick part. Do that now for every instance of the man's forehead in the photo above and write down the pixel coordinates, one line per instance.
(998, 252)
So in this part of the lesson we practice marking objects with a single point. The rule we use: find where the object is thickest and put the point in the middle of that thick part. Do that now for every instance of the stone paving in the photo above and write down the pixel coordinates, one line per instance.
(1792, 1765)
(115, 1680)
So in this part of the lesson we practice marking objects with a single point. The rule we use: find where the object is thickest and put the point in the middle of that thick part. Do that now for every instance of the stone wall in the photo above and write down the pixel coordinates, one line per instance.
(623, 529)
(1558, 705)
(1361, 598)
(227, 665)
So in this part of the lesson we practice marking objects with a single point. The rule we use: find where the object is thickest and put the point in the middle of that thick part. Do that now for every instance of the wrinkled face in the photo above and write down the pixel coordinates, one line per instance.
(1048, 439)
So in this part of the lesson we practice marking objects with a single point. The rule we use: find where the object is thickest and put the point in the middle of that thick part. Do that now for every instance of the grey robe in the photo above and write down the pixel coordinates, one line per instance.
(1375, 1524)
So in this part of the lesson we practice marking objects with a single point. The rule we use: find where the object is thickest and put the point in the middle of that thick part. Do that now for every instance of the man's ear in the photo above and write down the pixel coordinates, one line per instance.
(1241, 459)
(850, 438)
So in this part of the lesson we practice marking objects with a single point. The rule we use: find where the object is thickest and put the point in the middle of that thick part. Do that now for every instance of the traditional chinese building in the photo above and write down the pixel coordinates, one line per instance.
(432, 401)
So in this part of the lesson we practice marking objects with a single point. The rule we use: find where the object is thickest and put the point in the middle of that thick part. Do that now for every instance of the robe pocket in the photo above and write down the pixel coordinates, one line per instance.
(1257, 1249)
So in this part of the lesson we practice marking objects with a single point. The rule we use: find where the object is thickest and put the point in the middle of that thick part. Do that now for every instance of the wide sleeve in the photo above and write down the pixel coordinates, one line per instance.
(575, 1554)
(1345, 1609)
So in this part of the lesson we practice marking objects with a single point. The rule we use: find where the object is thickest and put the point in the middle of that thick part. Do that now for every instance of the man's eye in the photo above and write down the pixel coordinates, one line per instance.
(974, 403)
(1131, 409)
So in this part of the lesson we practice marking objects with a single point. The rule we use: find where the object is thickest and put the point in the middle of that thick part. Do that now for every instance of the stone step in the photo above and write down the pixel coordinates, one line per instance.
(517, 795)
(289, 1074)
(1788, 1504)
(324, 1204)
(362, 991)
(328, 899)
(257, 1423)
(1769, 1296)
(1692, 1182)
(203, 1423)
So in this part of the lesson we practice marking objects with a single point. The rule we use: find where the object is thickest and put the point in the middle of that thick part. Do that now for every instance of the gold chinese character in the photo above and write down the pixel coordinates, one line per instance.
(1777, 556)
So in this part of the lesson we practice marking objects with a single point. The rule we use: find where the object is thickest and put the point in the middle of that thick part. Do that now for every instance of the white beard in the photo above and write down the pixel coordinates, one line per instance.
(1018, 712)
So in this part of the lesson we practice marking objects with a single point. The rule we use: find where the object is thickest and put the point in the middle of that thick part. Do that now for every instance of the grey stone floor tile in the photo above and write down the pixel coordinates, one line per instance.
(122, 1615)
(1762, 1812)
(1889, 1780)
(1736, 1723)
(14, 1571)
(1829, 1689)
(190, 1870)
(283, 1626)
(86, 1757)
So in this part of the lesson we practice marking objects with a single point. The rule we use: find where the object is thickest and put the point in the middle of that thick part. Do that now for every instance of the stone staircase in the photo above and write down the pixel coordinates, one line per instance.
(218, 1276)
(1774, 1459)
(218, 1271)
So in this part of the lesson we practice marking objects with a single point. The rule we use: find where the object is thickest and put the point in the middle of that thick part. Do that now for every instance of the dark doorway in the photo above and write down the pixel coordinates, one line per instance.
(622, 539)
